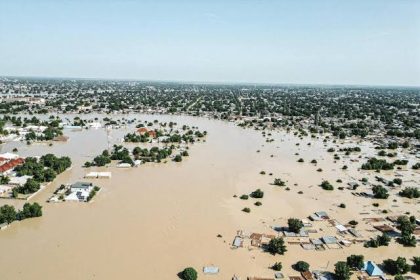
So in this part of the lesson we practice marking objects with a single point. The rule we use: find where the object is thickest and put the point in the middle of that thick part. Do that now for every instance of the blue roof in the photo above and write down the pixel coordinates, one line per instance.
(372, 269)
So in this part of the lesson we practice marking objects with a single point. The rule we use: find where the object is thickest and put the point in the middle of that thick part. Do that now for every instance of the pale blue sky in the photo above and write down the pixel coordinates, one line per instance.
(369, 42)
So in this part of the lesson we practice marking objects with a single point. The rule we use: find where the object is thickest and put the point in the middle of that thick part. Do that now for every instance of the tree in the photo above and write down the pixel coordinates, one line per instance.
(276, 246)
(189, 274)
(294, 225)
(4, 180)
(342, 271)
(398, 266)
(416, 265)
(407, 228)
(7, 214)
(355, 261)
(30, 211)
(301, 266)
(30, 186)
(380, 192)
(49, 175)
(101, 160)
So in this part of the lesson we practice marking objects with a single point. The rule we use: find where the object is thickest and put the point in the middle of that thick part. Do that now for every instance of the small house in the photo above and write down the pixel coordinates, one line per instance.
(372, 269)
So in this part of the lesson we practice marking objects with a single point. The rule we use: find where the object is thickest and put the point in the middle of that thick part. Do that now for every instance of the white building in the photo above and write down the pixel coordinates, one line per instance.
(79, 191)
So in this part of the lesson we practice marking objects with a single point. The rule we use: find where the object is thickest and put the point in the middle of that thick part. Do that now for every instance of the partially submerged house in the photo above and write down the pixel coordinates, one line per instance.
(372, 269)
(79, 191)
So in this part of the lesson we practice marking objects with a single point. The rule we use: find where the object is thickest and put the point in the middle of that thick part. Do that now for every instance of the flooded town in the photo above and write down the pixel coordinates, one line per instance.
(210, 140)
(242, 181)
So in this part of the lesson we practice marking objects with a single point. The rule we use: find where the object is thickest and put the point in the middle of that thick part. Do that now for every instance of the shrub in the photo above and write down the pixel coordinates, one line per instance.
(377, 164)
(381, 240)
(257, 194)
(246, 210)
(279, 182)
(353, 223)
(244, 197)
(410, 192)
(277, 266)
(327, 186)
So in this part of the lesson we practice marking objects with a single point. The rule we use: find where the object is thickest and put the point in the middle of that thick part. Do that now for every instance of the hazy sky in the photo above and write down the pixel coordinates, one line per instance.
(368, 42)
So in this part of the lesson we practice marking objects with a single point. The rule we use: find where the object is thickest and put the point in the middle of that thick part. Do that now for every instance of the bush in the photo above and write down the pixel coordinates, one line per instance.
(353, 223)
(258, 203)
(397, 181)
(410, 192)
(178, 158)
(246, 210)
(342, 205)
(279, 182)
(277, 266)
(244, 197)
(301, 266)
(327, 186)
(377, 164)
(189, 274)
(381, 240)
(257, 194)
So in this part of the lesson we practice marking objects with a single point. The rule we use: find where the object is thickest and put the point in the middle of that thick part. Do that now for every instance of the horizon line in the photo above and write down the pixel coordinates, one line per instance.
(226, 83)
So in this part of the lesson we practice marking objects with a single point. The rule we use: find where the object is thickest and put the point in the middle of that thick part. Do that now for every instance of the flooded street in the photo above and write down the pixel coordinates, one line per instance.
(152, 221)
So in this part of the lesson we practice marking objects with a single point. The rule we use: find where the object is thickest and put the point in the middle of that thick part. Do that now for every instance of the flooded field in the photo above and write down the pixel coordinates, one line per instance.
(152, 221)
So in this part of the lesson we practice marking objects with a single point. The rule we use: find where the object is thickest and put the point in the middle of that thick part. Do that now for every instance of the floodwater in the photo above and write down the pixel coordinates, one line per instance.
(152, 221)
